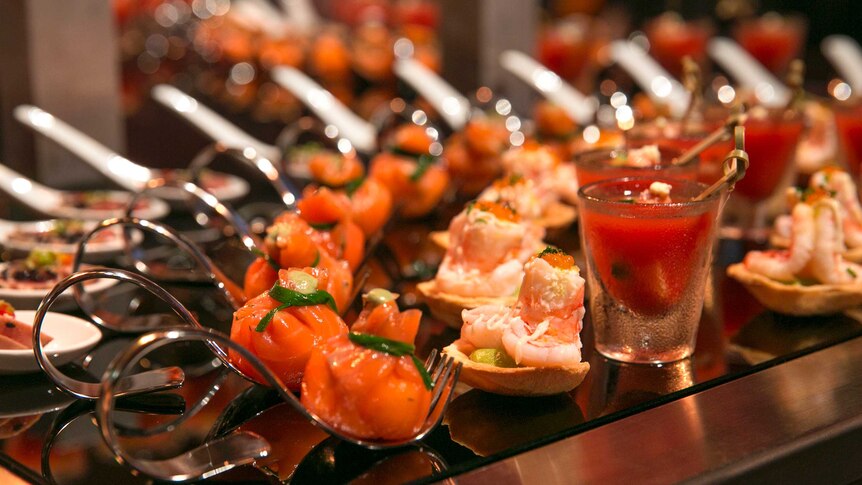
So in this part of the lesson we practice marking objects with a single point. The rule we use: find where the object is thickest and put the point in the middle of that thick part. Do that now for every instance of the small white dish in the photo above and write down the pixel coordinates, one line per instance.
(29, 299)
(72, 338)
(98, 249)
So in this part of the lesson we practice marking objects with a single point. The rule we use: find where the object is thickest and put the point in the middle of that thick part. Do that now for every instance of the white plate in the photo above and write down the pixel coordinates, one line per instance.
(233, 189)
(96, 251)
(156, 209)
(29, 299)
(73, 337)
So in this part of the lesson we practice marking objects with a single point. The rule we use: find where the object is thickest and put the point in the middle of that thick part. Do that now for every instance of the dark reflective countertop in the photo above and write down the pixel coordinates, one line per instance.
(48, 437)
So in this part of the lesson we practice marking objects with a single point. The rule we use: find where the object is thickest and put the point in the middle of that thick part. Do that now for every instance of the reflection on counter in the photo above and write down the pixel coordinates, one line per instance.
(489, 423)
(616, 386)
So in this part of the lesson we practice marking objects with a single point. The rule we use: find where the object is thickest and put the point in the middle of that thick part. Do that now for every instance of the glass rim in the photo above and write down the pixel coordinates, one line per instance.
(671, 205)
(597, 157)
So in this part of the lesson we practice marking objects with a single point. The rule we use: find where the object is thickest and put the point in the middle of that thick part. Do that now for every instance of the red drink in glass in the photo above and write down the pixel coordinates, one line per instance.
(647, 267)
(603, 164)
(770, 141)
(671, 38)
(682, 137)
(848, 121)
(772, 39)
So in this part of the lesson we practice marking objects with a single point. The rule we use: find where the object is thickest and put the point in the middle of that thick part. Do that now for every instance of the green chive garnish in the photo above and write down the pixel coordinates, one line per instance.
(324, 226)
(391, 347)
(352, 186)
(422, 165)
(257, 252)
(289, 298)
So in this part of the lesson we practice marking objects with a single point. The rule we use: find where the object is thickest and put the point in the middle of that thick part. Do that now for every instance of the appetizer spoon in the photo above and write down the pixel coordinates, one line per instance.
(120, 170)
(443, 371)
(748, 72)
(144, 382)
(579, 107)
(446, 100)
(54, 203)
(845, 54)
(659, 84)
(360, 133)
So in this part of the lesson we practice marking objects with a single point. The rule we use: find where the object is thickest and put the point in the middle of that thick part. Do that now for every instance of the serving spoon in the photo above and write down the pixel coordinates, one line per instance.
(359, 132)
(55, 203)
(845, 54)
(453, 107)
(579, 107)
(122, 171)
(749, 73)
(658, 84)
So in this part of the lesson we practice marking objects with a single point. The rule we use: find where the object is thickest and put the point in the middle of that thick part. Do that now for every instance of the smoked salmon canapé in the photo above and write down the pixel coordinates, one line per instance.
(369, 201)
(484, 263)
(368, 383)
(411, 169)
(531, 347)
(330, 214)
(811, 276)
(285, 324)
(841, 187)
(292, 243)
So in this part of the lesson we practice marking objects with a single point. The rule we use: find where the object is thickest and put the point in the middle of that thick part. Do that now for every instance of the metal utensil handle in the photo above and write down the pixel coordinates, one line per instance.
(734, 171)
(224, 210)
(248, 156)
(228, 288)
(166, 378)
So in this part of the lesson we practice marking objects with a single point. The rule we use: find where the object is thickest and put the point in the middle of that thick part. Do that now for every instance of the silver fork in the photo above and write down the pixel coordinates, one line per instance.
(239, 448)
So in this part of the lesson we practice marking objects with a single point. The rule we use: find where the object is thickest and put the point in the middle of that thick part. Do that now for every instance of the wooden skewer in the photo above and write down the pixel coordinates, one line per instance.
(733, 122)
(734, 171)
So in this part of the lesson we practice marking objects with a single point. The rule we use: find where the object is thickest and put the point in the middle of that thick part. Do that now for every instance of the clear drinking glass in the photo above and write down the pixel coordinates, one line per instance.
(604, 163)
(647, 267)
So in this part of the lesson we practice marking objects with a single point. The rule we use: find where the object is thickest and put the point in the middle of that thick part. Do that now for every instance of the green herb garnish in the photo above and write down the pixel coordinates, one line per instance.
(289, 298)
(352, 186)
(628, 200)
(851, 272)
(551, 250)
(422, 165)
(391, 347)
(316, 259)
(257, 252)
(324, 226)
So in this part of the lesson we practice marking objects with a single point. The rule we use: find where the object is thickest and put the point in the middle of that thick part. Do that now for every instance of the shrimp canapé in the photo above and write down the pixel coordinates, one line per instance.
(811, 276)
(839, 184)
(368, 384)
(488, 247)
(283, 325)
(816, 246)
(544, 167)
(540, 331)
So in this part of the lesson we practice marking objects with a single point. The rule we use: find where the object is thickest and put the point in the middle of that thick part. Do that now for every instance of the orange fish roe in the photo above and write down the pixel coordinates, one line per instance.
(557, 258)
(831, 169)
(413, 139)
(509, 181)
(816, 195)
(501, 211)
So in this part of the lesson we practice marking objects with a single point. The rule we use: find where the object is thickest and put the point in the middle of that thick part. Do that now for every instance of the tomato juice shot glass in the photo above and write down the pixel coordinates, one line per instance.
(848, 122)
(647, 266)
(608, 163)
